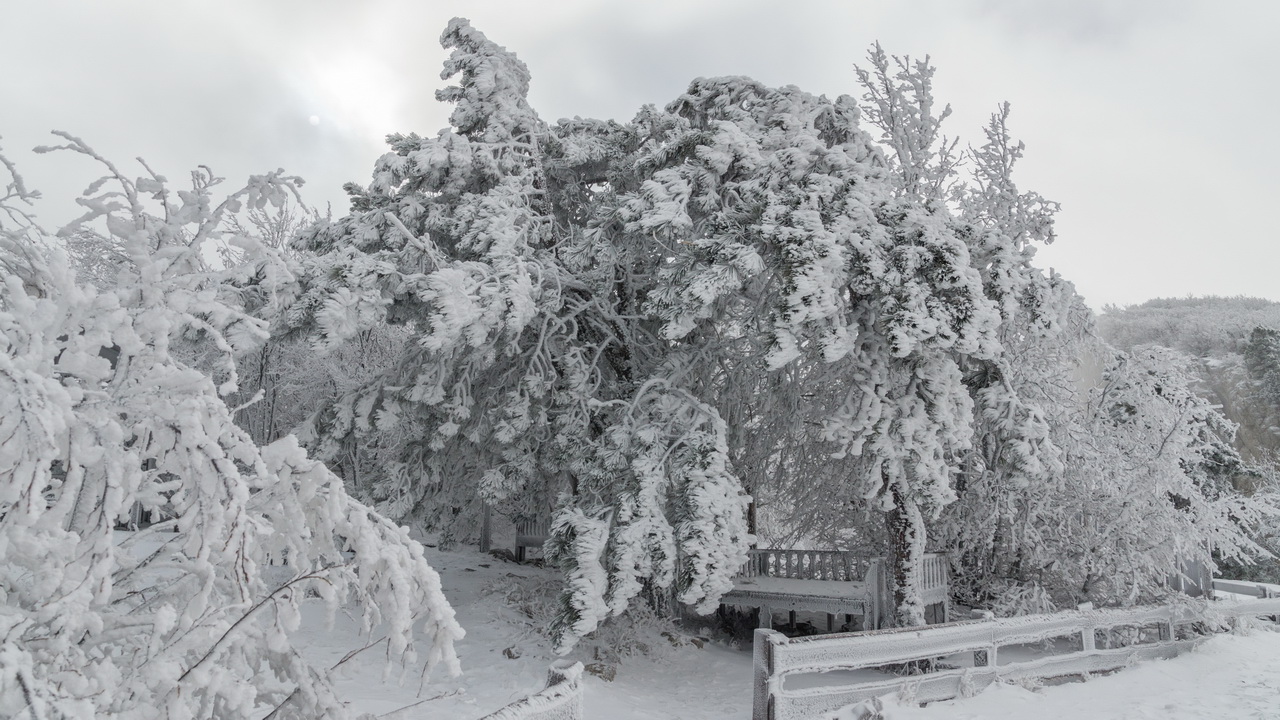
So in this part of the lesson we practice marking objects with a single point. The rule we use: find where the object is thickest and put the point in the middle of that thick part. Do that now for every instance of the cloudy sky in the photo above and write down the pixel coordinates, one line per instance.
(1153, 122)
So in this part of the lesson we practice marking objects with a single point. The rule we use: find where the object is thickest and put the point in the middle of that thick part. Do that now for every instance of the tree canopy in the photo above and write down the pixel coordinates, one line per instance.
(640, 323)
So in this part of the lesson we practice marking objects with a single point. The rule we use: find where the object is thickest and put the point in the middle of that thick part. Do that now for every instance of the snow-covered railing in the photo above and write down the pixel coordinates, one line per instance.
(1244, 587)
(561, 700)
(835, 565)
(965, 657)
(935, 579)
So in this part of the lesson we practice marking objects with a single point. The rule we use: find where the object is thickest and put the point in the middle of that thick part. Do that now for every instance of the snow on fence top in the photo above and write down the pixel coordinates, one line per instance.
(560, 700)
(875, 663)
(1244, 587)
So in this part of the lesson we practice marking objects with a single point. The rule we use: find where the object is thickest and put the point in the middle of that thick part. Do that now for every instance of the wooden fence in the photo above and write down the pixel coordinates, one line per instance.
(963, 658)
(1244, 587)
(560, 700)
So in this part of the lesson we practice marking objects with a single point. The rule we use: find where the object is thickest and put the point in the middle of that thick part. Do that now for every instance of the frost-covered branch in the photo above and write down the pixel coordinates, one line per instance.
(100, 416)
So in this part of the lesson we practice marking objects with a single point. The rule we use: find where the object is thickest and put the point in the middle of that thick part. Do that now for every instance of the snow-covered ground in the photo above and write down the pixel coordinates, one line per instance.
(504, 608)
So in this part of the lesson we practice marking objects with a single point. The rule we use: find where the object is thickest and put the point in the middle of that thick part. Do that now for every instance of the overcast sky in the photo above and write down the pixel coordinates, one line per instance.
(1153, 122)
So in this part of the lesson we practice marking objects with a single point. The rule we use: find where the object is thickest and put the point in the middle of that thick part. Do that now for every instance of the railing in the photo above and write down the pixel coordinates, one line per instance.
(835, 565)
(777, 657)
(1243, 587)
(561, 700)
(841, 566)
(933, 573)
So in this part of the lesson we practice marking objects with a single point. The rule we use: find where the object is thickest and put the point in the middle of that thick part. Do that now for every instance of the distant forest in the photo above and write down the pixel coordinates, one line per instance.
(1234, 342)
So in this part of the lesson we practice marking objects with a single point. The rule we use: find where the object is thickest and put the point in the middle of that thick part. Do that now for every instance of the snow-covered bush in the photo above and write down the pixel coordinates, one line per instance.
(179, 619)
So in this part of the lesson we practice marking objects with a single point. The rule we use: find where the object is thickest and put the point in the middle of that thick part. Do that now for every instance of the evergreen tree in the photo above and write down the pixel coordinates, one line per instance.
(1262, 363)
(528, 371)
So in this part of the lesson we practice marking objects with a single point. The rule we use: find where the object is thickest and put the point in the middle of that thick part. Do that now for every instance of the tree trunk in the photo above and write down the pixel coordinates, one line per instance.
(906, 558)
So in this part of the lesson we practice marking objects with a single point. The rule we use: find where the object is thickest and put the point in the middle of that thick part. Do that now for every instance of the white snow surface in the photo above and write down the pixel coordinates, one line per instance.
(668, 683)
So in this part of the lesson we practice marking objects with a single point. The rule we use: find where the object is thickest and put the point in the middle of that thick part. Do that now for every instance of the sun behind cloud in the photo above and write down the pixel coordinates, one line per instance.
(352, 93)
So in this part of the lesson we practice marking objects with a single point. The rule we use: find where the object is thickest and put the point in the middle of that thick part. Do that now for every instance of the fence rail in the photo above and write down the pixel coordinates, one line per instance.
(1244, 587)
(560, 700)
(777, 657)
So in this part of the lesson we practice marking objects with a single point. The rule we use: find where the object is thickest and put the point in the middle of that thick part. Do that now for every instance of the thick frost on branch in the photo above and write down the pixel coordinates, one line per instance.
(676, 522)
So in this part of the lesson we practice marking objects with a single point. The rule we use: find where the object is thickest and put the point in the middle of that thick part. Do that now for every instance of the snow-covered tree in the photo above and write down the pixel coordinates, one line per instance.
(1042, 326)
(633, 323)
(820, 271)
(529, 377)
(180, 619)
(1157, 489)
(1220, 333)
(1148, 483)
(744, 283)
(1049, 455)
(1262, 362)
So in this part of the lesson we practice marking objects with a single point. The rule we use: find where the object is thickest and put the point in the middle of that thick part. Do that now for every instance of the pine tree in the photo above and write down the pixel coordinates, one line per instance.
(1262, 363)
(529, 376)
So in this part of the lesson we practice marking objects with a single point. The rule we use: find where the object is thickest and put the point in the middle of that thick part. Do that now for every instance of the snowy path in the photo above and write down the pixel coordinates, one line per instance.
(1230, 677)
(712, 683)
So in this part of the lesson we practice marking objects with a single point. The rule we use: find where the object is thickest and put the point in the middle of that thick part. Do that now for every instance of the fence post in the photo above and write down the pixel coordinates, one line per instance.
(567, 671)
(1165, 628)
(873, 586)
(762, 656)
(561, 671)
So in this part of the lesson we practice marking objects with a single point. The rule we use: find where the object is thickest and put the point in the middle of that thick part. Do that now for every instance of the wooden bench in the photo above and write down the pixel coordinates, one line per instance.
(832, 582)
(531, 534)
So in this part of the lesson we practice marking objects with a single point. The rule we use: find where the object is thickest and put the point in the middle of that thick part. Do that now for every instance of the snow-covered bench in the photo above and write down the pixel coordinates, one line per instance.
(832, 582)
(531, 534)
